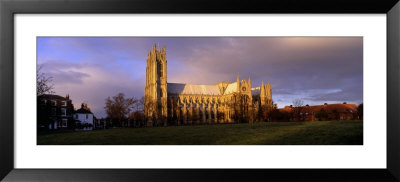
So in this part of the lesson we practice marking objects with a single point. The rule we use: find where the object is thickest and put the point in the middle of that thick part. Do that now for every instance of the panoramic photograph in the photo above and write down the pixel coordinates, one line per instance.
(199, 90)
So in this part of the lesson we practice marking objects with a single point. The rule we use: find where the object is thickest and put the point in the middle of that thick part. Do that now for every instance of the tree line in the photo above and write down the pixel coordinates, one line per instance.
(125, 111)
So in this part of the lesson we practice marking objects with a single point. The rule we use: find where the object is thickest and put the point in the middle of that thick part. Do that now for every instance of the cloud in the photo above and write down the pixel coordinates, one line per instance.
(69, 76)
(63, 72)
(341, 95)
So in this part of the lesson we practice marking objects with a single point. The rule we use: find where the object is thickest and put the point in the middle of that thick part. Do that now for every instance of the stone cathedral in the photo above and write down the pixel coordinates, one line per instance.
(187, 104)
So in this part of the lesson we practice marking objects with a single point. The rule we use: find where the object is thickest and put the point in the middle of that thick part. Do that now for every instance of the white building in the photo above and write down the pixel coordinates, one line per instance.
(84, 116)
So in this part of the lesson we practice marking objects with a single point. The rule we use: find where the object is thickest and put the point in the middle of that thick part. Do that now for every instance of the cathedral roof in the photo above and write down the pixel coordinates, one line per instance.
(231, 88)
(182, 88)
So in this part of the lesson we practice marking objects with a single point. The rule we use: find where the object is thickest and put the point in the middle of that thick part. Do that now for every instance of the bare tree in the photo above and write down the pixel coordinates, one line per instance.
(118, 108)
(298, 103)
(139, 105)
(44, 83)
(137, 116)
(297, 107)
(360, 111)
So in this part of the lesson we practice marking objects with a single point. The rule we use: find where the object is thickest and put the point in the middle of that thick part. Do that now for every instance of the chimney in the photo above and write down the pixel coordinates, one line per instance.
(67, 96)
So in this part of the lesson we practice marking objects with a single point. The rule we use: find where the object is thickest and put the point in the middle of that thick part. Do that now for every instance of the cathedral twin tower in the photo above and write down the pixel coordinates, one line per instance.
(185, 104)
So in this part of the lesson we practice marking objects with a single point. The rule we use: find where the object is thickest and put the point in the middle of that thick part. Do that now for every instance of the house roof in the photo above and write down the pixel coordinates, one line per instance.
(83, 111)
(182, 88)
(51, 97)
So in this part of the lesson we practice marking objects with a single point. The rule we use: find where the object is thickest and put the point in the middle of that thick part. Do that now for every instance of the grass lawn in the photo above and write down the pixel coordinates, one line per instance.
(271, 133)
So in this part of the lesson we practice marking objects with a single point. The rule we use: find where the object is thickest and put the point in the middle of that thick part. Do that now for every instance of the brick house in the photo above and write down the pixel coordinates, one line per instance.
(54, 112)
(322, 112)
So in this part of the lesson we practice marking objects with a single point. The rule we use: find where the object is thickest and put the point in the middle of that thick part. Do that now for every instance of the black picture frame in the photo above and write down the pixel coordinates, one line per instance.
(8, 8)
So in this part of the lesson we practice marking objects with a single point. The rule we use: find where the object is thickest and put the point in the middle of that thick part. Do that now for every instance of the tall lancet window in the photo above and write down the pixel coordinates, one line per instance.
(158, 69)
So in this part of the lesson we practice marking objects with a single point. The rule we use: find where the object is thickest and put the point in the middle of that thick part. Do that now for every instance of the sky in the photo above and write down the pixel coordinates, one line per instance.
(316, 70)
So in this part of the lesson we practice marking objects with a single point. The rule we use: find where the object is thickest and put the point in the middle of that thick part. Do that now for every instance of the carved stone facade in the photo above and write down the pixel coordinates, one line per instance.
(186, 104)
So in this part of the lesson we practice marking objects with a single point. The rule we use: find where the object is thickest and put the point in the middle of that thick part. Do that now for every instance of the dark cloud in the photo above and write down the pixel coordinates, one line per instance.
(61, 72)
(68, 76)
(348, 94)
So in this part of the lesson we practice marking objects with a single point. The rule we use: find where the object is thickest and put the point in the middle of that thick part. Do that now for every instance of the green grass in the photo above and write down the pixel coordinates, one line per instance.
(271, 133)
